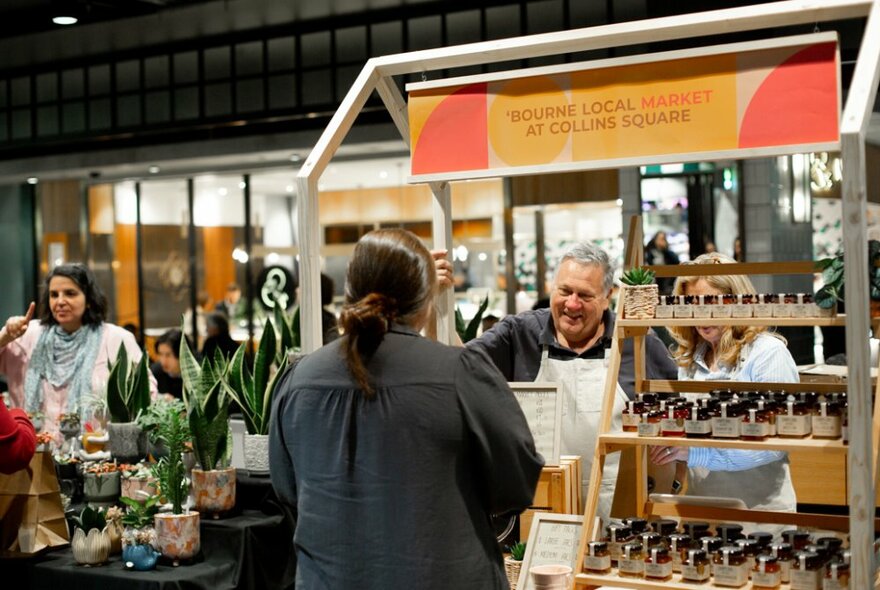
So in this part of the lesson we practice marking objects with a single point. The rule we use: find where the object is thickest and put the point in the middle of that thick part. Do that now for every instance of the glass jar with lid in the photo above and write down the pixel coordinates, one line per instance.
(679, 544)
(769, 406)
(797, 538)
(729, 533)
(751, 549)
(711, 545)
(730, 567)
(672, 422)
(832, 545)
(664, 309)
(743, 306)
(658, 564)
(696, 566)
(650, 424)
(784, 554)
(665, 526)
(780, 309)
(598, 558)
(836, 576)
(682, 309)
(762, 305)
(637, 524)
(617, 536)
(631, 562)
(723, 307)
(698, 423)
(794, 420)
(632, 415)
(766, 573)
(762, 538)
(726, 420)
(807, 571)
(827, 420)
(755, 424)
(703, 305)
(697, 529)
(650, 539)
(651, 401)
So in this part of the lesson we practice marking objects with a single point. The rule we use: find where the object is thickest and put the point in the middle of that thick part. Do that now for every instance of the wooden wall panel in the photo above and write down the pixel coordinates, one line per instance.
(219, 264)
(819, 478)
(101, 209)
(125, 276)
(572, 187)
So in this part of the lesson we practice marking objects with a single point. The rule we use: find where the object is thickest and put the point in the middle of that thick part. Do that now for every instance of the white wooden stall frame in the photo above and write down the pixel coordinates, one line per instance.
(378, 74)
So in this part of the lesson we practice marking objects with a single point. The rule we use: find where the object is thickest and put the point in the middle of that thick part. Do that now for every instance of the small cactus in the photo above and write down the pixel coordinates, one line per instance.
(637, 276)
(517, 551)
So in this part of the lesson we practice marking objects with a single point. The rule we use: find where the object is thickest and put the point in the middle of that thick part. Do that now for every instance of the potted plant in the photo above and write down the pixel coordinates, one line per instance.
(154, 415)
(639, 294)
(207, 408)
(832, 290)
(253, 391)
(139, 537)
(468, 331)
(137, 481)
(513, 563)
(37, 417)
(91, 542)
(101, 484)
(177, 532)
(128, 394)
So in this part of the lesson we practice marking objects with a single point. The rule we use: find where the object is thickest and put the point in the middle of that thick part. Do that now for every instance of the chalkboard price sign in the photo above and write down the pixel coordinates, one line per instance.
(553, 539)
(542, 405)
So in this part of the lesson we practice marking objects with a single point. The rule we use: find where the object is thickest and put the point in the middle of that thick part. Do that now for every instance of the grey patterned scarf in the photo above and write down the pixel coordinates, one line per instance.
(62, 359)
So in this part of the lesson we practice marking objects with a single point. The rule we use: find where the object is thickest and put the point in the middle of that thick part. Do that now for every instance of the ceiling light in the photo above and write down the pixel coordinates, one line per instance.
(32, 180)
(295, 158)
(64, 20)
(153, 170)
(289, 188)
(222, 191)
(242, 184)
(383, 174)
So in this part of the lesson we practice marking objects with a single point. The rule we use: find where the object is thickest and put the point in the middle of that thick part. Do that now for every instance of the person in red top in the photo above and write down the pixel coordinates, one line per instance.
(17, 439)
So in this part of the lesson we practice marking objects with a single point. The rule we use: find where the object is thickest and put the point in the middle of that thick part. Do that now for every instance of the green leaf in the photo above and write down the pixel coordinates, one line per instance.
(263, 365)
(460, 328)
(471, 331)
(266, 412)
(116, 389)
(826, 297)
(295, 333)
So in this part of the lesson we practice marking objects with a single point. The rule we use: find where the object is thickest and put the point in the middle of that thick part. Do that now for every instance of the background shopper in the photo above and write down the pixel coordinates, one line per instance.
(394, 449)
(166, 370)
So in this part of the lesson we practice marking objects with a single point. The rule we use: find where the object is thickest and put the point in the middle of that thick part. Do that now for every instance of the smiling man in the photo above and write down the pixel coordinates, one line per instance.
(569, 344)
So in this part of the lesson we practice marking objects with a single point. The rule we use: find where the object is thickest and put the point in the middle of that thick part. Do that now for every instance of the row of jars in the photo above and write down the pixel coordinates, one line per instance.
(751, 416)
(782, 305)
(727, 558)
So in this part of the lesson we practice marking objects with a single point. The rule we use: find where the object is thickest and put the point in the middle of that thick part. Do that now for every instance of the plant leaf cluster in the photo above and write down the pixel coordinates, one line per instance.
(90, 519)
(468, 332)
(833, 289)
(637, 276)
(517, 551)
(128, 387)
(157, 413)
(140, 515)
(170, 470)
(207, 405)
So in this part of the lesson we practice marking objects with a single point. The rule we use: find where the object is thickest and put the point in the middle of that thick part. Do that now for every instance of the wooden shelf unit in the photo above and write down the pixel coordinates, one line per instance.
(838, 320)
(619, 440)
(641, 584)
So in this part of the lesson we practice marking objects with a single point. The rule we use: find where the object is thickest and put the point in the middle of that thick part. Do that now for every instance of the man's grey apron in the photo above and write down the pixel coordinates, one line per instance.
(583, 385)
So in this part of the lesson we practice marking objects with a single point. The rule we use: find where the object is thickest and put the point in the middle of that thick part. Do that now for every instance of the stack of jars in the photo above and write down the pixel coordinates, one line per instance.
(750, 415)
(694, 553)
(759, 305)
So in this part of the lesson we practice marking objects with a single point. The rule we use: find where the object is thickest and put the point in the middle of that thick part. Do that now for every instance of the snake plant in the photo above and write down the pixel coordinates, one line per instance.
(128, 388)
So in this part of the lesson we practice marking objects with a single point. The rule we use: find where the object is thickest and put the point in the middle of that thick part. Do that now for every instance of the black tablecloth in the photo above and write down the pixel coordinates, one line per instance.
(252, 550)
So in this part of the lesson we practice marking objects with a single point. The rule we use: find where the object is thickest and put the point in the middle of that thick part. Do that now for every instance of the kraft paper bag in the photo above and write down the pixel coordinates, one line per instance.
(31, 513)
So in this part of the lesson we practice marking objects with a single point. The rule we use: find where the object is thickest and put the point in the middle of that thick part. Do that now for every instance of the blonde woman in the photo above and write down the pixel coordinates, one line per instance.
(733, 353)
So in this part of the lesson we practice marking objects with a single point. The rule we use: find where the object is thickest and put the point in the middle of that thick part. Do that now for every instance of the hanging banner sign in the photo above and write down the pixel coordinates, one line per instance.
(731, 101)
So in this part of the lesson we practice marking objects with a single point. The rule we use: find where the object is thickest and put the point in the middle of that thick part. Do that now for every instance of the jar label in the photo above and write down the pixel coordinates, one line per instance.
(800, 310)
(829, 584)
(726, 427)
(649, 429)
(721, 311)
(632, 420)
(597, 564)
(676, 560)
(781, 310)
(793, 425)
(682, 311)
(695, 573)
(703, 311)
(785, 570)
(826, 426)
(741, 310)
(731, 575)
(663, 312)
(658, 570)
(631, 566)
(698, 426)
(614, 550)
(771, 580)
(762, 310)
(756, 429)
(673, 425)
(806, 580)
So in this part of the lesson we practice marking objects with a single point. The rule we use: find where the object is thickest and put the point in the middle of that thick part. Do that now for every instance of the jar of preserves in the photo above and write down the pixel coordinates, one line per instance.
(784, 554)
(821, 550)
(632, 415)
(617, 536)
(766, 573)
(637, 524)
(807, 571)
(679, 544)
(799, 309)
(665, 527)
(762, 538)
(769, 406)
(797, 538)
(682, 309)
(598, 558)
(658, 564)
(723, 307)
(831, 545)
(780, 309)
(703, 306)
(727, 419)
(650, 424)
(695, 566)
(827, 420)
(762, 305)
(794, 420)
(711, 545)
(729, 533)
(755, 424)
(672, 423)
(836, 576)
(664, 308)
(697, 529)
(730, 567)
(650, 539)
(743, 307)
(751, 549)
(699, 423)
(632, 561)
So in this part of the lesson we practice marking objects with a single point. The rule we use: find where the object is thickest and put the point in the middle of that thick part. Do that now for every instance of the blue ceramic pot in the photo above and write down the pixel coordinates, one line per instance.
(140, 557)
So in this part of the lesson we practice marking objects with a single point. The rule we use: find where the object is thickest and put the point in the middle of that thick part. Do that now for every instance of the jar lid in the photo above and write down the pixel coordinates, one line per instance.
(659, 552)
(649, 539)
(763, 538)
(696, 528)
(695, 554)
(749, 546)
(618, 531)
(729, 532)
(833, 544)
(731, 551)
(764, 558)
(633, 405)
(840, 566)
(712, 544)
(722, 394)
(648, 398)
(795, 534)
(808, 560)
(596, 546)
(679, 541)
(665, 526)
(781, 550)
(638, 525)
(633, 546)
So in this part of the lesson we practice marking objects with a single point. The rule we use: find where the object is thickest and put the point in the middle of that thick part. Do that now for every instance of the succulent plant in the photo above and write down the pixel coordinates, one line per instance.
(140, 515)
(517, 551)
(90, 519)
(637, 276)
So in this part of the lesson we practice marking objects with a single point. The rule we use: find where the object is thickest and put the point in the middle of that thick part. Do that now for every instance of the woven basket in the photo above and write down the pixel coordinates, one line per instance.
(639, 301)
(512, 568)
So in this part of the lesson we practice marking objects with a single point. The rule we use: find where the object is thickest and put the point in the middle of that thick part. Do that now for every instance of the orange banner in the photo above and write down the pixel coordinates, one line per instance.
(722, 104)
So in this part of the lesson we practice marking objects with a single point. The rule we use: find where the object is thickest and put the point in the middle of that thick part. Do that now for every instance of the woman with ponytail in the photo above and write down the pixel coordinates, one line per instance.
(393, 450)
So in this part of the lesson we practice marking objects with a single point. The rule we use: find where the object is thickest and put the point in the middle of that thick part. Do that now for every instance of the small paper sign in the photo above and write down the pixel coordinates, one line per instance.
(542, 406)
(553, 539)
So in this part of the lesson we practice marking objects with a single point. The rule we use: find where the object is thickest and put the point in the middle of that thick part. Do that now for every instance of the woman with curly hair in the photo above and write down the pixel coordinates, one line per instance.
(762, 479)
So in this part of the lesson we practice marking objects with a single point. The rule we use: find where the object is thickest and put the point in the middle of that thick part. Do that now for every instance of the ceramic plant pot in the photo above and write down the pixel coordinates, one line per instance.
(214, 491)
(639, 301)
(91, 549)
(256, 454)
(101, 490)
(138, 489)
(128, 443)
(177, 535)
(140, 557)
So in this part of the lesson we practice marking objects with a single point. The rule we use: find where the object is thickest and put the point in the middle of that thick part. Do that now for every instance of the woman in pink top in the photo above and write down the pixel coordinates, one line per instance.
(54, 363)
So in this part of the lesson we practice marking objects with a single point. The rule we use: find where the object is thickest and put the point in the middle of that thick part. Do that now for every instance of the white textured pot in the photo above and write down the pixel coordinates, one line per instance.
(256, 453)
(91, 549)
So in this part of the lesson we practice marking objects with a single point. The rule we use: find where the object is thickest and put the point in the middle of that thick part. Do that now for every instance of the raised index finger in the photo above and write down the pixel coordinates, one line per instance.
(30, 313)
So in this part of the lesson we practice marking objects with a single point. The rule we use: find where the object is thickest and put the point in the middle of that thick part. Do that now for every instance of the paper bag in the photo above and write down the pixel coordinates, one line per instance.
(31, 513)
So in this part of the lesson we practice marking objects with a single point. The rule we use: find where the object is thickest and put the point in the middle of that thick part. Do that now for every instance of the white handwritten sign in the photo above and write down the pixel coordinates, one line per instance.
(542, 405)
(554, 539)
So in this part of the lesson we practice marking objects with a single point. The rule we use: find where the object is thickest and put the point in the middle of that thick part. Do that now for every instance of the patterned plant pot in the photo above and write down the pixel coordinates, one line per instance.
(256, 454)
(639, 301)
(91, 549)
(101, 490)
(138, 489)
(128, 442)
(214, 491)
(177, 535)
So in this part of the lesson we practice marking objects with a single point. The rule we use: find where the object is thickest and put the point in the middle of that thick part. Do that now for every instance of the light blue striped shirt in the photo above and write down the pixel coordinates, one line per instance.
(767, 359)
